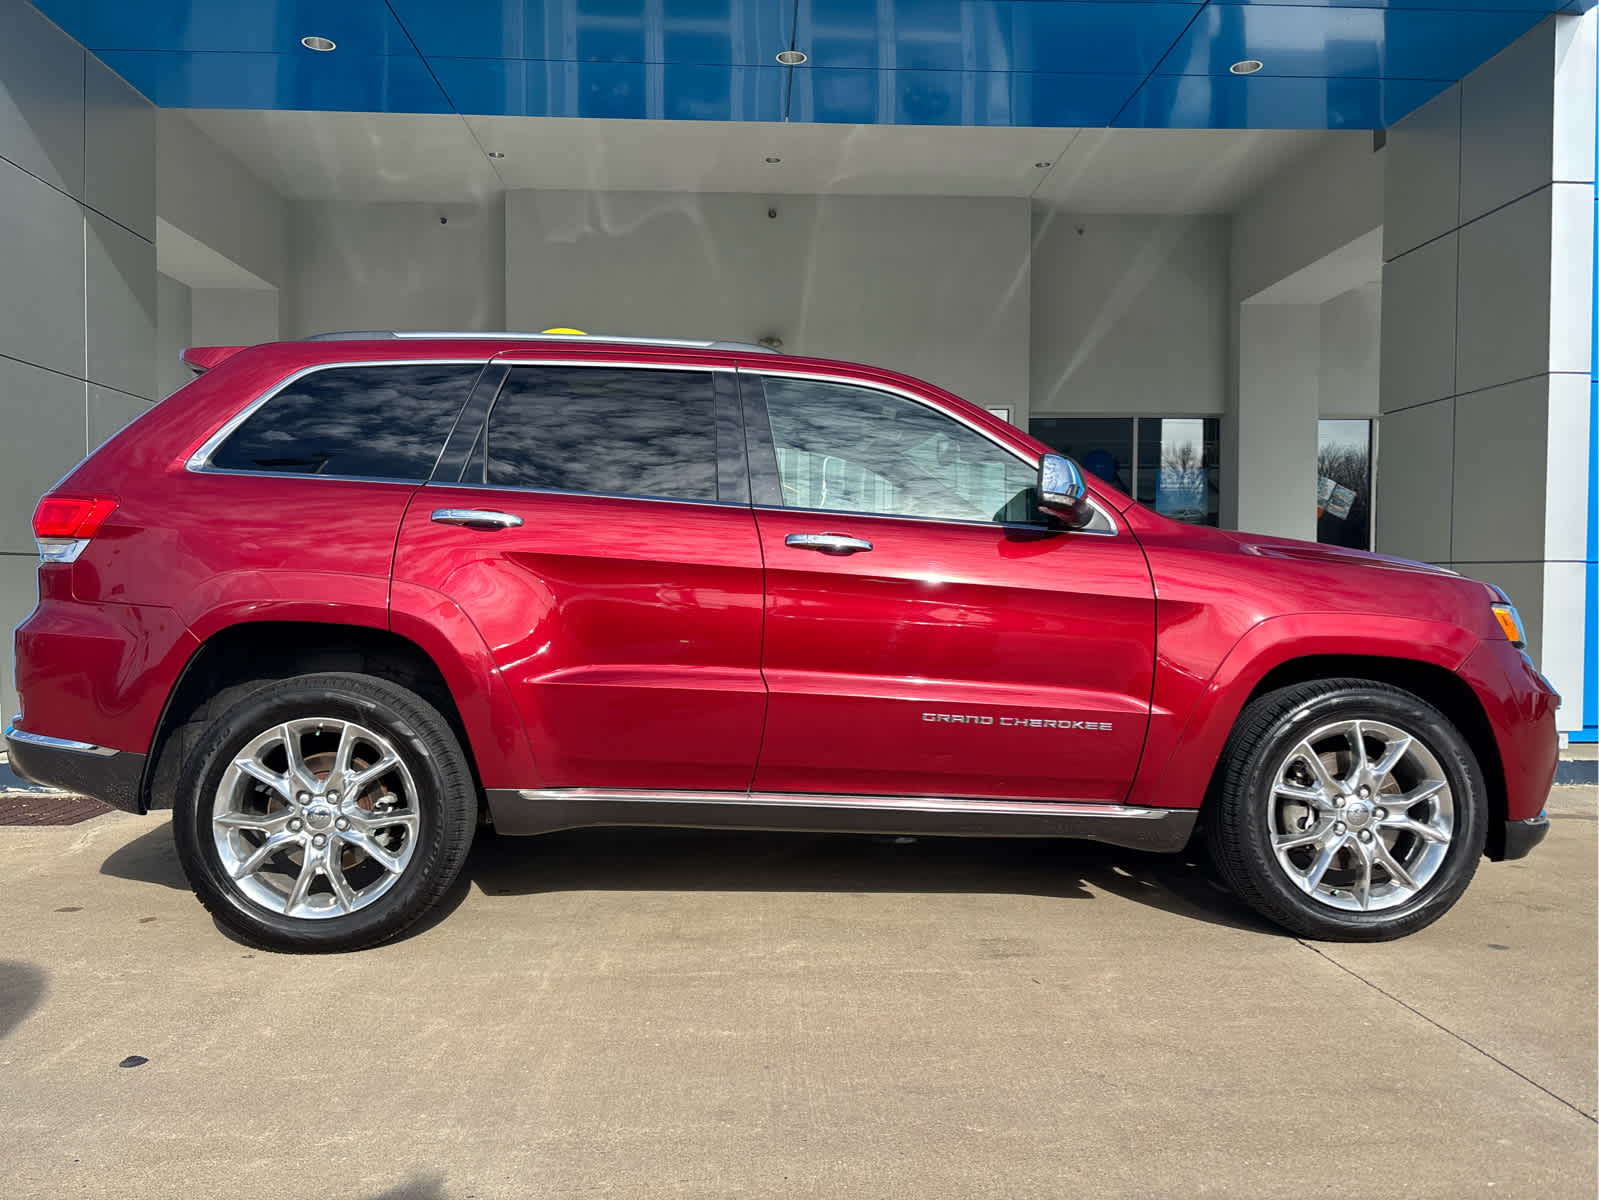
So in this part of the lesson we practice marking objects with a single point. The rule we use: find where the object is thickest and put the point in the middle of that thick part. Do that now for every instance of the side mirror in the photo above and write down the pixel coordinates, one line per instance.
(1061, 491)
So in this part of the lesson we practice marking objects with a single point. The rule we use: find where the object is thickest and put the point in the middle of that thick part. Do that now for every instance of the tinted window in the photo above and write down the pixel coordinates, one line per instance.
(372, 422)
(853, 449)
(1179, 467)
(614, 431)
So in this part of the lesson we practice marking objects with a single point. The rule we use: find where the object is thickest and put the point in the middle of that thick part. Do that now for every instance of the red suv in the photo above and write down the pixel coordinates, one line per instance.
(339, 601)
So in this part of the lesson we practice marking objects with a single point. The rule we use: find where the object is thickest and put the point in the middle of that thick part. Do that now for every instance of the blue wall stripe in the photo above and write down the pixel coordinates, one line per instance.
(1590, 640)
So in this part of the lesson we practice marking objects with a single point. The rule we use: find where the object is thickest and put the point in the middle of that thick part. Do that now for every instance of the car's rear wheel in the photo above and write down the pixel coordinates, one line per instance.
(324, 812)
(1348, 810)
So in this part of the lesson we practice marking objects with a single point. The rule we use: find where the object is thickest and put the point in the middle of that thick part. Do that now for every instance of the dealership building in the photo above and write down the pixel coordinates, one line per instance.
(1316, 268)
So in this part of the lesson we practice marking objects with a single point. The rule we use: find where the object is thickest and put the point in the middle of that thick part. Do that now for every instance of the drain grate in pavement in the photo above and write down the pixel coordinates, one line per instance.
(47, 808)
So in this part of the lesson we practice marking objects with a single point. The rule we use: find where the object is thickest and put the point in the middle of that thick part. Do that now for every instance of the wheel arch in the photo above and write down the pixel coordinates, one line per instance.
(1437, 685)
(270, 650)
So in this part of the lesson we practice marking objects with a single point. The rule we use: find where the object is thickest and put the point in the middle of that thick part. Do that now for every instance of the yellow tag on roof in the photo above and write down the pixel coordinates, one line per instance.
(573, 332)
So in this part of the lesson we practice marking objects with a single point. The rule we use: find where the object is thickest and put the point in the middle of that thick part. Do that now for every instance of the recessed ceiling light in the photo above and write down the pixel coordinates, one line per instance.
(1247, 67)
(773, 159)
(496, 154)
(1042, 165)
(791, 58)
(319, 43)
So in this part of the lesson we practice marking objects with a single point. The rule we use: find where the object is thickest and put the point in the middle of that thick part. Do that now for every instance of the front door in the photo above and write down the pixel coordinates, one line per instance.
(927, 634)
(596, 529)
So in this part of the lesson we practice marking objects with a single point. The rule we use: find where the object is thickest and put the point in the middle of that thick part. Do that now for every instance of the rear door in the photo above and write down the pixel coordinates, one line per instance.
(927, 633)
(592, 519)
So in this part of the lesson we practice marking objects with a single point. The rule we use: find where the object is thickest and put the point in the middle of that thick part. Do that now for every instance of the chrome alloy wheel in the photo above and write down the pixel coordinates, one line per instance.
(316, 818)
(1360, 816)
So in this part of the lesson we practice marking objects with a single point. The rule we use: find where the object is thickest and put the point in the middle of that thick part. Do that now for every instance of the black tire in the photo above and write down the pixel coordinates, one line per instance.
(443, 813)
(1264, 741)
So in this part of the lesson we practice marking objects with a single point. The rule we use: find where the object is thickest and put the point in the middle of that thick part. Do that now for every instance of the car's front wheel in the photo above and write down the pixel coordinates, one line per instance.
(324, 812)
(1348, 810)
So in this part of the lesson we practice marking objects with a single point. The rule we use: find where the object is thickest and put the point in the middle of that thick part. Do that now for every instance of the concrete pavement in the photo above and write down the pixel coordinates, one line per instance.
(636, 1014)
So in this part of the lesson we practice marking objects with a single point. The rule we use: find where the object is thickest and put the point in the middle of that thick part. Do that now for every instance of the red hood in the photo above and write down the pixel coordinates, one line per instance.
(1315, 552)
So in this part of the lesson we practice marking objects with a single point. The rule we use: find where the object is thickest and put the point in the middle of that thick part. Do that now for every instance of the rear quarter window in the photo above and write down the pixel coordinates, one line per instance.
(373, 422)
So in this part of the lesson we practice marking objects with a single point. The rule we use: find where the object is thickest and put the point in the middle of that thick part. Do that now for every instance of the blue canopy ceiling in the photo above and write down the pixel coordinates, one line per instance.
(1325, 64)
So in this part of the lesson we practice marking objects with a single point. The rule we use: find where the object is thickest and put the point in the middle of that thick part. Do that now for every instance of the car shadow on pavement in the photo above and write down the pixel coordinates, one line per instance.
(22, 986)
(717, 860)
(690, 860)
(149, 858)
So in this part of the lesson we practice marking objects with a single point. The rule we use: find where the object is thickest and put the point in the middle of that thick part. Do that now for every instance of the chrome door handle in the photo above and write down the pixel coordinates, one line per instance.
(827, 543)
(476, 518)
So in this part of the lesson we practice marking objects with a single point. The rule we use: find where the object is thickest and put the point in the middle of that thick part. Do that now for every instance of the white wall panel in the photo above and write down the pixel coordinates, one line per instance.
(1574, 80)
(1501, 446)
(1422, 196)
(1503, 322)
(1565, 511)
(1415, 482)
(120, 307)
(1571, 219)
(1507, 124)
(41, 98)
(119, 145)
(1562, 621)
(41, 273)
(50, 409)
(1418, 325)
(1129, 314)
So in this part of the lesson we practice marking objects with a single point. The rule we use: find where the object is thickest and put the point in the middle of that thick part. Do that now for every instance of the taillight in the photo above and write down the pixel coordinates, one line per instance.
(63, 525)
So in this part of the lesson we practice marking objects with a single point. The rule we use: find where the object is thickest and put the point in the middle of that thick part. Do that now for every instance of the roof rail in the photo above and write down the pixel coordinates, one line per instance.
(365, 335)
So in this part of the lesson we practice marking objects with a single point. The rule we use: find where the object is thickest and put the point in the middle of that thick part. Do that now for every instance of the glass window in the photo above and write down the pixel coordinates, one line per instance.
(1171, 464)
(385, 422)
(852, 449)
(1100, 445)
(1343, 484)
(1178, 467)
(607, 430)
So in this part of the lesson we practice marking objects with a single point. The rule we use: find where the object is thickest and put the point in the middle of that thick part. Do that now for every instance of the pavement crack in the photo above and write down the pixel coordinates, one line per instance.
(1465, 1041)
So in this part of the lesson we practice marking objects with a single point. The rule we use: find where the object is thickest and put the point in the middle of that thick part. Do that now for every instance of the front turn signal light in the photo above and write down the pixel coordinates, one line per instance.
(1510, 621)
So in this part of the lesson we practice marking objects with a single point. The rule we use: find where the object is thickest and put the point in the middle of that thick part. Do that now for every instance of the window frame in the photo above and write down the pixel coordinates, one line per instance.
(200, 461)
(732, 470)
(766, 484)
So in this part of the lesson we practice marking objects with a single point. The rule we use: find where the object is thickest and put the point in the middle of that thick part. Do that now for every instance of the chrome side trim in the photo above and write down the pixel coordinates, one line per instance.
(820, 800)
(545, 810)
(51, 743)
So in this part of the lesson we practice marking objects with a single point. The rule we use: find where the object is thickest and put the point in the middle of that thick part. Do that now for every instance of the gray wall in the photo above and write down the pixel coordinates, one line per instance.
(174, 321)
(1129, 314)
(937, 287)
(77, 257)
(1487, 320)
(396, 266)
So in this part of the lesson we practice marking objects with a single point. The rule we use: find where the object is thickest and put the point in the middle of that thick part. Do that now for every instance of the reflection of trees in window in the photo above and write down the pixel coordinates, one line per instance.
(605, 430)
(851, 449)
(370, 422)
(1348, 466)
